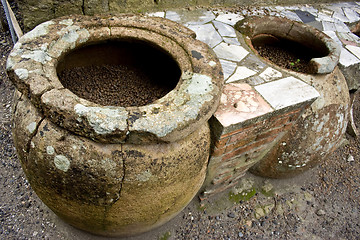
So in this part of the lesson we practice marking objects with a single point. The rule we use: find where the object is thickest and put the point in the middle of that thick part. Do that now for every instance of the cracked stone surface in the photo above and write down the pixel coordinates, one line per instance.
(112, 170)
(32, 66)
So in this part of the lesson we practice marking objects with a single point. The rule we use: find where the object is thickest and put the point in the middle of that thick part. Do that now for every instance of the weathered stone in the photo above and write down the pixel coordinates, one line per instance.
(112, 170)
(182, 111)
(316, 134)
(297, 32)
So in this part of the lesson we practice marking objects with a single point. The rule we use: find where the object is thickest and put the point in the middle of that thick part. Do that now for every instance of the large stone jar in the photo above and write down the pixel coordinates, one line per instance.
(320, 128)
(113, 170)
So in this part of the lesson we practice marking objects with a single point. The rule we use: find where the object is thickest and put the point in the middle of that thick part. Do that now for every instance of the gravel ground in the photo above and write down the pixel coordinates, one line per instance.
(322, 203)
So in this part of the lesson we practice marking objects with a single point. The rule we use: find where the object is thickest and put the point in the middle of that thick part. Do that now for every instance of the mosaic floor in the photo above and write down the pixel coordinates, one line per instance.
(244, 70)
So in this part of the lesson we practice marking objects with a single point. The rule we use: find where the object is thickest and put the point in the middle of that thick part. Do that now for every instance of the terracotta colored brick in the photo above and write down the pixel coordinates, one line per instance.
(240, 143)
(239, 174)
(221, 179)
(240, 136)
(247, 148)
(222, 142)
(218, 152)
(271, 132)
(232, 133)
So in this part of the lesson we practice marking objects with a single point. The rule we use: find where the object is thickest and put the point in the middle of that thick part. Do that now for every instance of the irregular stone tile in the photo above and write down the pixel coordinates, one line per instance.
(328, 26)
(340, 16)
(310, 9)
(347, 59)
(334, 37)
(334, 8)
(173, 16)
(230, 40)
(254, 80)
(286, 92)
(241, 73)
(225, 30)
(279, 8)
(351, 15)
(240, 102)
(194, 17)
(305, 16)
(354, 50)
(349, 38)
(199, 16)
(156, 14)
(228, 68)
(229, 18)
(207, 34)
(253, 62)
(317, 25)
(341, 27)
(291, 15)
(344, 4)
(230, 52)
(292, 7)
(324, 16)
(270, 74)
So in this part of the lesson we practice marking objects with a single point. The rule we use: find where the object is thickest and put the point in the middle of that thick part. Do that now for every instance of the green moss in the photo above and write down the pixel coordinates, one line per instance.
(270, 193)
(165, 236)
(245, 195)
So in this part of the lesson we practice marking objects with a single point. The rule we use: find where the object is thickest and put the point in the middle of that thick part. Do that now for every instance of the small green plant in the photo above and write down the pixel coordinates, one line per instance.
(165, 236)
(245, 195)
(295, 64)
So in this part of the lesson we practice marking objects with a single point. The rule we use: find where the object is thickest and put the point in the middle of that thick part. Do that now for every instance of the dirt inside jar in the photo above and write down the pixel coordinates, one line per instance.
(287, 54)
(117, 85)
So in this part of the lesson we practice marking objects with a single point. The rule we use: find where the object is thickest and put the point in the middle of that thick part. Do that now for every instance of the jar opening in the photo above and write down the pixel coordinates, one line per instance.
(122, 72)
(288, 54)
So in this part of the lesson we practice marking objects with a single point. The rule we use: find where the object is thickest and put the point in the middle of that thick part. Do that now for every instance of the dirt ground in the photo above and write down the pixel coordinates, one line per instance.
(322, 203)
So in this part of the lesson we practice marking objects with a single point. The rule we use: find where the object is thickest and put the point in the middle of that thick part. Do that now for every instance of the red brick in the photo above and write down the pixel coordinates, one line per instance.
(239, 174)
(222, 142)
(240, 136)
(221, 179)
(247, 148)
(240, 143)
(218, 152)
(240, 130)
(271, 132)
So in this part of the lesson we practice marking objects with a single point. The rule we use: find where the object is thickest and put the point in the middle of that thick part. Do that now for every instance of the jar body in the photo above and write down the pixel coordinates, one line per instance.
(108, 189)
(317, 132)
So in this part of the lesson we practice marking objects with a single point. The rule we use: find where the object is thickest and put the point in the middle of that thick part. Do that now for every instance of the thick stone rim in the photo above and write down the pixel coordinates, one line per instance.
(32, 67)
(292, 30)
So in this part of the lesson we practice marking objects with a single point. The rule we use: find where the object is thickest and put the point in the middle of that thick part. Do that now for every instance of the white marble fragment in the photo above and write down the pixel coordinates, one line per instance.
(225, 30)
(231, 40)
(351, 15)
(228, 68)
(229, 18)
(354, 50)
(230, 52)
(241, 73)
(270, 74)
(207, 34)
(333, 36)
(328, 26)
(347, 59)
(286, 92)
(156, 14)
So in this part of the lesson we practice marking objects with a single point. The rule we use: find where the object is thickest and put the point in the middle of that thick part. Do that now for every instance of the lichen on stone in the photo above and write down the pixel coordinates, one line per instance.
(103, 120)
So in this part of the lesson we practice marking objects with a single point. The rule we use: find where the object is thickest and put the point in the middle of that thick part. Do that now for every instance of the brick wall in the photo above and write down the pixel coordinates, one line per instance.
(237, 146)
